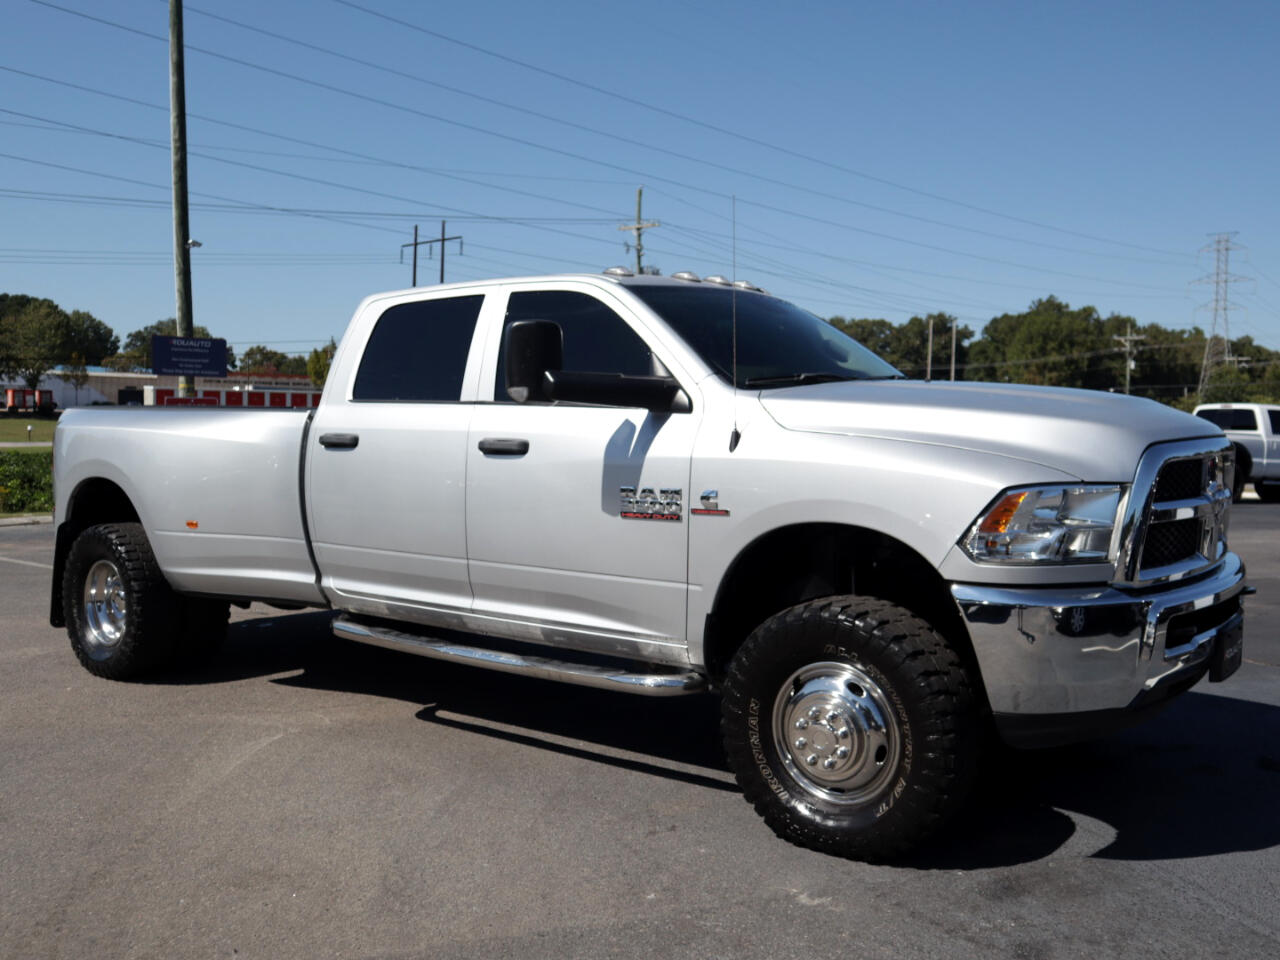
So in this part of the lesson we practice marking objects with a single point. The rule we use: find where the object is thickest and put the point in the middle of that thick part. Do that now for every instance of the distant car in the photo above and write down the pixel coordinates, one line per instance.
(1254, 430)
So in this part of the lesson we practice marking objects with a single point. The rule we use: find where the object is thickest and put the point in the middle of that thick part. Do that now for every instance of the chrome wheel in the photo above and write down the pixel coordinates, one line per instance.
(837, 733)
(105, 609)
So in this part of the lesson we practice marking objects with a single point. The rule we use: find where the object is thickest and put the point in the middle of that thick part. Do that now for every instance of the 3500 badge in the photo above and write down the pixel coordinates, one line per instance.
(648, 504)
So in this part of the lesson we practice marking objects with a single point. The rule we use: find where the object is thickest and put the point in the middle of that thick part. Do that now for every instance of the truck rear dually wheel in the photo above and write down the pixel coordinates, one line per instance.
(121, 615)
(850, 725)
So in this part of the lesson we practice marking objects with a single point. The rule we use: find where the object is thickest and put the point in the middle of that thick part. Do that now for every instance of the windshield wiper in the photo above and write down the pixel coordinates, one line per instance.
(797, 378)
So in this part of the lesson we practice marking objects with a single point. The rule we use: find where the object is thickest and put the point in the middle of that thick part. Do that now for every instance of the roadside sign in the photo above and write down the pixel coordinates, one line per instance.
(189, 356)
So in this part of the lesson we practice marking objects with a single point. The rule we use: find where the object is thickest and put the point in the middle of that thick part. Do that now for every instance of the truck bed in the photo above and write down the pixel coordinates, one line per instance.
(217, 489)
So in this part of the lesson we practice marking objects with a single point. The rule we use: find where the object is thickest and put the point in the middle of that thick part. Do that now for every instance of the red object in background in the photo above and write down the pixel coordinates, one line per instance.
(315, 399)
(235, 398)
(256, 399)
(162, 397)
(216, 394)
(298, 400)
(279, 399)
(190, 401)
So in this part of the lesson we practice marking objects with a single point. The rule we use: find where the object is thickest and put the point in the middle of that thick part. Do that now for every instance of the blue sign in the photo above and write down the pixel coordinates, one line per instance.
(189, 356)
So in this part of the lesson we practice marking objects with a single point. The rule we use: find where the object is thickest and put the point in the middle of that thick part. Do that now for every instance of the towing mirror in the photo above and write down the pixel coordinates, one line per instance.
(535, 354)
(533, 347)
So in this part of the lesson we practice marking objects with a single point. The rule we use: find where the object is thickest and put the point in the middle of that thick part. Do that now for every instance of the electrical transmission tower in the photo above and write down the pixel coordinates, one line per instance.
(1218, 352)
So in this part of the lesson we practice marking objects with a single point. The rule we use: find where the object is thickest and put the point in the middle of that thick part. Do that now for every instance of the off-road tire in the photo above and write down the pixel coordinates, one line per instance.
(928, 765)
(146, 622)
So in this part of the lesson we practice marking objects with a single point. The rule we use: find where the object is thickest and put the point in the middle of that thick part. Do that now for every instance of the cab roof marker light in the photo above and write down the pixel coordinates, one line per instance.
(618, 272)
(686, 275)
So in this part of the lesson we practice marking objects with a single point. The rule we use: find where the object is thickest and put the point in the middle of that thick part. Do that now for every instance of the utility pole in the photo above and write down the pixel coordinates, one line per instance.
(427, 243)
(928, 371)
(182, 242)
(638, 228)
(1128, 342)
(1221, 278)
(954, 321)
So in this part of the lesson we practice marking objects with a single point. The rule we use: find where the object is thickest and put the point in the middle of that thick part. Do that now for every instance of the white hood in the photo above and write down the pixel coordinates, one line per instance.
(1094, 436)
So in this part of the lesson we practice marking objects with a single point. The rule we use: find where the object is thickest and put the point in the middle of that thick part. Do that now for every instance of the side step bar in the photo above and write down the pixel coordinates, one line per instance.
(645, 680)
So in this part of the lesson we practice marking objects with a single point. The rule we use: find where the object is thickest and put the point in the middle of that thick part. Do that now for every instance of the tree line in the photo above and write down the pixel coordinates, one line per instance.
(1053, 344)
(37, 335)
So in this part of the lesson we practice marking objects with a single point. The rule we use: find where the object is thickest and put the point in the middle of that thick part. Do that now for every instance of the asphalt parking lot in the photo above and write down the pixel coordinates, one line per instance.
(303, 798)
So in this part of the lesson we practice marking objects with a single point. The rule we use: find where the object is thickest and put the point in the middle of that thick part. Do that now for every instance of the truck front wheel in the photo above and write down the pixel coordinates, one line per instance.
(850, 725)
(121, 615)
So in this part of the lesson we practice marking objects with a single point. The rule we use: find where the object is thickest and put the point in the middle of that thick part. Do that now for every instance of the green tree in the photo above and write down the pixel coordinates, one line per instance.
(35, 336)
(906, 345)
(1049, 344)
(76, 373)
(89, 337)
(319, 361)
(1227, 384)
(267, 362)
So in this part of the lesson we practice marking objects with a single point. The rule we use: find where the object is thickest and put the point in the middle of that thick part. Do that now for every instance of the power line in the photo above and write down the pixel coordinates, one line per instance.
(551, 149)
(740, 136)
(284, 38)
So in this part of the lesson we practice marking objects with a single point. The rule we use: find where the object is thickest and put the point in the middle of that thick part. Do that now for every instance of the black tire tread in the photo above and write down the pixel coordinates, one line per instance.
(945, 743)
(153, 607)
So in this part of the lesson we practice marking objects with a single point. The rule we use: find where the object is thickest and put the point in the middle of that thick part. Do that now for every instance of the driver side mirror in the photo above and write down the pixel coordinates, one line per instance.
(532, 347)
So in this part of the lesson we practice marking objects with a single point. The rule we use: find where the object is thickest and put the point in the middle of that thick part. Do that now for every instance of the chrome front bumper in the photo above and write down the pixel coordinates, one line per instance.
(1050, 652)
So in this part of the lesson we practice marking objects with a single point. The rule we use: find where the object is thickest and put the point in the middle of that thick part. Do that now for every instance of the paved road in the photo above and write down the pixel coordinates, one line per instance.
(306, 799)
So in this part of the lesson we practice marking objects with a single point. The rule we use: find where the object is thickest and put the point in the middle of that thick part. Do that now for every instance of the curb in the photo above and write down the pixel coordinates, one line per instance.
(26, 521)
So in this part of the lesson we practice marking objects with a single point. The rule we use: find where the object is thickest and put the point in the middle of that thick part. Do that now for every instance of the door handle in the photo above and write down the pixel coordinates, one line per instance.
(340, 441)
(503, 447)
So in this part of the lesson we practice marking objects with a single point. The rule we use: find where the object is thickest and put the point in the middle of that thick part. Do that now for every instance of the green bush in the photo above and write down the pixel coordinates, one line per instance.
(26, 481)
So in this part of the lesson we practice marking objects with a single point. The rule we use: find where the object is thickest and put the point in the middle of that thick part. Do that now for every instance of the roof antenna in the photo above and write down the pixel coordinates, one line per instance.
(736, 435)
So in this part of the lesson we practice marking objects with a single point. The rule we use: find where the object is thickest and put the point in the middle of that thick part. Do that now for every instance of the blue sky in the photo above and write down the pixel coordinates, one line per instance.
(887, 159)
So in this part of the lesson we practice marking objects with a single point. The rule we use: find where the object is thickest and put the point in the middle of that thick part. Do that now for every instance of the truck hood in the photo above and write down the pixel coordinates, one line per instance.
(1093, 436)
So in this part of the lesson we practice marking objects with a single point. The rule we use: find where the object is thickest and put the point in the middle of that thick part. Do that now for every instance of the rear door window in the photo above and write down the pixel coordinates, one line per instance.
(418, 351)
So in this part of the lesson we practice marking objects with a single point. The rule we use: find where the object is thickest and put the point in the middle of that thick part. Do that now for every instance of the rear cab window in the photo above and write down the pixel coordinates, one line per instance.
(417, 352)
(1232, 418)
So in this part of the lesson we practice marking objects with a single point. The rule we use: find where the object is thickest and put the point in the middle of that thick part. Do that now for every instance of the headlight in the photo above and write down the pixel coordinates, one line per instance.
(1061, 524)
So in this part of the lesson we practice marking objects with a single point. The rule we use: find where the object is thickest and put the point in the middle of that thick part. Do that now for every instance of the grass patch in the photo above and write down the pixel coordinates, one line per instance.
(14, 429)
(26, 481)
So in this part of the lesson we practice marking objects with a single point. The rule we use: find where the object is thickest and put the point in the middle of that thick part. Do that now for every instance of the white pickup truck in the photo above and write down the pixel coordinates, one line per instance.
(1254, 431)
(671, 485)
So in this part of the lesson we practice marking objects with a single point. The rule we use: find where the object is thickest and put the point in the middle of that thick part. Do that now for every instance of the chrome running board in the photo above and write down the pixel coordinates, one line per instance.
(644, 679)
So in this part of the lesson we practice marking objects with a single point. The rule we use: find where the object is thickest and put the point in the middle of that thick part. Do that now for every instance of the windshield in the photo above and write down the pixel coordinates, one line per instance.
(779, 344)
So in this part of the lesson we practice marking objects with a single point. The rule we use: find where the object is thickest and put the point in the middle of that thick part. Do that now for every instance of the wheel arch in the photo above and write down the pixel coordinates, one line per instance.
(799, 562)
(94, 500)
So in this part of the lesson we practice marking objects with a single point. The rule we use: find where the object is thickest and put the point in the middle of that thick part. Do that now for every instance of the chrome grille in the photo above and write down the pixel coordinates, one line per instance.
(1176, 522)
